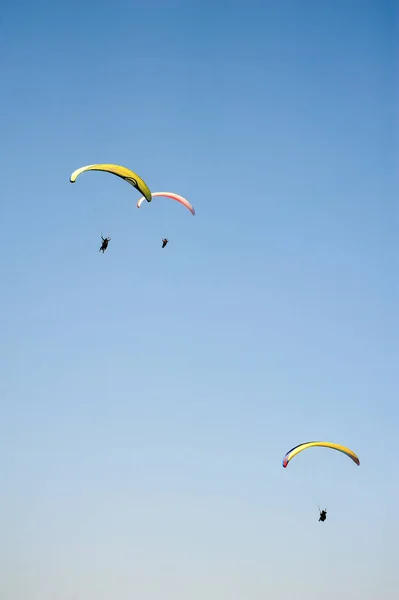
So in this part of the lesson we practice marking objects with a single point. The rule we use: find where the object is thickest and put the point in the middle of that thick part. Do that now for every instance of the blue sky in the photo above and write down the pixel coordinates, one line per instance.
(149, 396)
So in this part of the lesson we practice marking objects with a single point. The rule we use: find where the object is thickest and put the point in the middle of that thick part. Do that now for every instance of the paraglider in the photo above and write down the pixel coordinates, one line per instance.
(122, 172)
(294, 451)
(164, 242)
(105, 243)
(323, 515)
(172, 195)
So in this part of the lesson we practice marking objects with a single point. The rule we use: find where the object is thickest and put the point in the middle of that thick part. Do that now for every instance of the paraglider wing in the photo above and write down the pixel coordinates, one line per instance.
(172, 195)
(119, 171)
(294, 451)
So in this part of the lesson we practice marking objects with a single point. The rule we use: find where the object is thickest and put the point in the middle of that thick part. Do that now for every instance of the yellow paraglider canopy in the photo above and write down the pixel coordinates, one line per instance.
(122, 172)
(294, 451)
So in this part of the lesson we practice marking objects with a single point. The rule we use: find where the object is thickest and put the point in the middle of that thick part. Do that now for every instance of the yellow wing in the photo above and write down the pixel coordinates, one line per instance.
(122, 172)
(294, 451)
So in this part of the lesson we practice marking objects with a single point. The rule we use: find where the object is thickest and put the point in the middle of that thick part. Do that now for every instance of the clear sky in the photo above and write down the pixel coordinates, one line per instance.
(148, 396)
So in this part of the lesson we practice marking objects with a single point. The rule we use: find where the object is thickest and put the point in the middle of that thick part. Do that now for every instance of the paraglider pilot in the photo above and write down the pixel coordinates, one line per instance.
(104, 245)
(164, 242)
(323, 515)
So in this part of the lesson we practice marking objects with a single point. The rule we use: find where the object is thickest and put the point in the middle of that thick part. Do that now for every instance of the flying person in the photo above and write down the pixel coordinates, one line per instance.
(104, 245)
(323, 515)
(164, 242)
